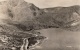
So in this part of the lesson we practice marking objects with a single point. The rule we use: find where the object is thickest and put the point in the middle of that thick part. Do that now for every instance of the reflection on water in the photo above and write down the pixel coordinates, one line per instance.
(59, 39)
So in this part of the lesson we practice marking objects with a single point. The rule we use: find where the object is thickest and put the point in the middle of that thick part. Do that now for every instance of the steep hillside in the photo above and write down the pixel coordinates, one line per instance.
(18, 18)
(15, 16)
(26, 15)
(65, 17)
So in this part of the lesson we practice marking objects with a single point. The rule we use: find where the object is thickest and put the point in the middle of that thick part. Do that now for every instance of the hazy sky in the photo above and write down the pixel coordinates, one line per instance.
(53, 3)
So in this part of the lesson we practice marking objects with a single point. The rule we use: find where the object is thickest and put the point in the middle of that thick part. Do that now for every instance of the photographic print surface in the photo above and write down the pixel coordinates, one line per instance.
(39, 24)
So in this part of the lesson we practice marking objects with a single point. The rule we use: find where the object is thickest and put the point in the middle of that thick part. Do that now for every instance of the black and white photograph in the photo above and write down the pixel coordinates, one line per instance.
(39, 24)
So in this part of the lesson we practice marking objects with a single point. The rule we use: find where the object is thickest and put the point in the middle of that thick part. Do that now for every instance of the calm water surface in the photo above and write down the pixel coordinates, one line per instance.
(59, 39)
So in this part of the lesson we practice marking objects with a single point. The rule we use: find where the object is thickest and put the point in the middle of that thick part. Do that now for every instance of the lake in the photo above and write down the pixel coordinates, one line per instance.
(59, 39)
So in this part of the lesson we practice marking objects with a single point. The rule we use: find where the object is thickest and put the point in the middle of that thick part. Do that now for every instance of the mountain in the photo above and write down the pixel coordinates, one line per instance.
(26, 16)
(65, 17)
(16, 22)
(20, 19)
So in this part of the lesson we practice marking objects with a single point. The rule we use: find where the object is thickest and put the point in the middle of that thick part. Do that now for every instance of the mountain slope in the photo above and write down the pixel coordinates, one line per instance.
(65, 17)
(15, 17)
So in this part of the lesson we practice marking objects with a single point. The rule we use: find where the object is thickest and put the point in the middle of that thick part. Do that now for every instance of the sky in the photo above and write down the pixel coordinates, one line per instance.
(53, 3)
